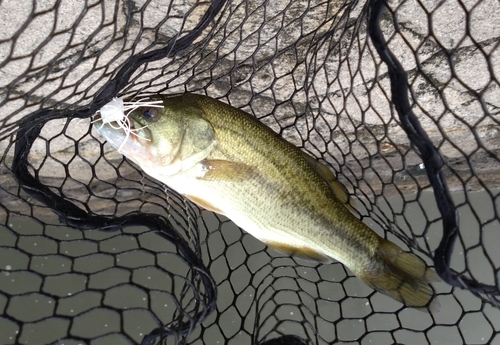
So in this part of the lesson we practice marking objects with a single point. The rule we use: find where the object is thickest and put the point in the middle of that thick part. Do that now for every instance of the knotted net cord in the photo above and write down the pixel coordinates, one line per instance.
(432, 161)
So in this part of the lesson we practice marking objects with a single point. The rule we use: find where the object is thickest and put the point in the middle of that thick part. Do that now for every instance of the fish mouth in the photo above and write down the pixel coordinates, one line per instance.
(135, 141)
(127, 137)
(130, 129)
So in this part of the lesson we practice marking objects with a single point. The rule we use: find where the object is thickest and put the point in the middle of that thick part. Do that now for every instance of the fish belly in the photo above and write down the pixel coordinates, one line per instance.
(261, 214)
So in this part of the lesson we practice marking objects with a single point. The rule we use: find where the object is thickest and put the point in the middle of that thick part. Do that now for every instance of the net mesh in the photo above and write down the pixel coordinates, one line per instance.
(93, 250)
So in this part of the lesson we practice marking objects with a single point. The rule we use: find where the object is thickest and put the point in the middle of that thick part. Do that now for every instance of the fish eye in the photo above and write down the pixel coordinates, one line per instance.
(150, 114)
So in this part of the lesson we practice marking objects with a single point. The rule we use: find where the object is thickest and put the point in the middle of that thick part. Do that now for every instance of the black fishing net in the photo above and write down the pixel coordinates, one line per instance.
(401, 102)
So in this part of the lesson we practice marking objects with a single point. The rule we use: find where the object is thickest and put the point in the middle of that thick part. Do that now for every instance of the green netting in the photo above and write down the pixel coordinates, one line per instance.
(310, 71)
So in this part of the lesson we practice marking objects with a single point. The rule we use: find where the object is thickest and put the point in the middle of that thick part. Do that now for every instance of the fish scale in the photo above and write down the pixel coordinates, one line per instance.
(294, 177)
(226, 161)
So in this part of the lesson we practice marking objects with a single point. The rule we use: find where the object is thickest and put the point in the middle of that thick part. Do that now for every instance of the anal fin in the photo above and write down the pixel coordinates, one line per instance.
(204, 204)
(300, 252)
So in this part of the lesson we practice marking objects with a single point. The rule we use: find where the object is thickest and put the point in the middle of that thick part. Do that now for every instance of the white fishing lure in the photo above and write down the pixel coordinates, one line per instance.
(116, 112)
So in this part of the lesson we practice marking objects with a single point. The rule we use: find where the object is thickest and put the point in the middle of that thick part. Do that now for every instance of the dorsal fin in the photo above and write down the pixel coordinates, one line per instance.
(337, 188)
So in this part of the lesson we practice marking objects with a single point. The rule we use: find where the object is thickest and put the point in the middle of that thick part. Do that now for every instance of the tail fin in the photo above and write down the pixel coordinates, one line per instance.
(402, 276)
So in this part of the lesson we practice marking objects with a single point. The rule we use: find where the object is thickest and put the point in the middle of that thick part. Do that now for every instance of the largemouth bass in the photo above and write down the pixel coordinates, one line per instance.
(226, 161)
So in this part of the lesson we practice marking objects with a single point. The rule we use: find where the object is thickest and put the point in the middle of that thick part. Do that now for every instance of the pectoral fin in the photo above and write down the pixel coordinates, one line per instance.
(337, 188)
(300, 252)
(222, 170)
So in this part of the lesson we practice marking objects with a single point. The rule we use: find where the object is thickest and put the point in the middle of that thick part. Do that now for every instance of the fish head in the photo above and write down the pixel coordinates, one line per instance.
(172, 137)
